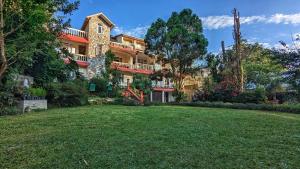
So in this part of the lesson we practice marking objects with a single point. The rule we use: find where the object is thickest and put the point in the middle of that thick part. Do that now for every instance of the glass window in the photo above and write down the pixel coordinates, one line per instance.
(100, 29)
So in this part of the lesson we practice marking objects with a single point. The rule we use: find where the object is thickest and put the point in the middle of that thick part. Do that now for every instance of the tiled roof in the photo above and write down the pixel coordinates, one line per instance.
(74, 38)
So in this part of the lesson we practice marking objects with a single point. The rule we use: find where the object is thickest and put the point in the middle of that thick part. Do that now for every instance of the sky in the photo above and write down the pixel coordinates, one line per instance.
(264, 21)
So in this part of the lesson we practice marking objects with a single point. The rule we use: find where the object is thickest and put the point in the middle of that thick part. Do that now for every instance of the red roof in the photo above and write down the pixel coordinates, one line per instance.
(163, 89)
(81, 64)
(74, 38)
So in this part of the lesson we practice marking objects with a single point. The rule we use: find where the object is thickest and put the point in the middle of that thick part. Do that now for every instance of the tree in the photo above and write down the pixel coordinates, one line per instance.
(238, 73)
(142, 83)
(179, 42)
(260, 69)
(290, 60)
(112, 75)
(26, 23)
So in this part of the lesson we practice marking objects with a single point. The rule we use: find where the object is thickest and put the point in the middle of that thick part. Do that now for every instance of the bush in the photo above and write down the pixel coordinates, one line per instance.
(40, 92)
(67, 94)
(258, 96)
(228, 95)
(8, 104)
(101, 85)
(248, 106)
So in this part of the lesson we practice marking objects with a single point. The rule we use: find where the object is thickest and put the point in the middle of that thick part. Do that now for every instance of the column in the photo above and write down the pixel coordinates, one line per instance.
(151, 97)
(163, 97)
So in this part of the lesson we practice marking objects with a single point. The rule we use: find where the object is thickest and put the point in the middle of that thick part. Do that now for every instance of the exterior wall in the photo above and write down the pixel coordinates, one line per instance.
(98, 39)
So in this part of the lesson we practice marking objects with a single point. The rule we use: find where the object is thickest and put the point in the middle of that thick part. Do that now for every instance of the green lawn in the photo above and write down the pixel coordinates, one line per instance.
(150, 137)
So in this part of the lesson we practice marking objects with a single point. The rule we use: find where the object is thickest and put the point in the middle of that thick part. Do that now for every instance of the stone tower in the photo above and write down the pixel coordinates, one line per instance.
(98, 27)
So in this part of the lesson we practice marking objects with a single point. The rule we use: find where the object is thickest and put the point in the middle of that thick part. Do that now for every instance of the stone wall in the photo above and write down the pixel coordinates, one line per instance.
(98, 39)
(33, 104)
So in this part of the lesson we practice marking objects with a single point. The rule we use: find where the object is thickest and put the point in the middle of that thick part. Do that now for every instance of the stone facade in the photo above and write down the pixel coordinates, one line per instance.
(95, 38)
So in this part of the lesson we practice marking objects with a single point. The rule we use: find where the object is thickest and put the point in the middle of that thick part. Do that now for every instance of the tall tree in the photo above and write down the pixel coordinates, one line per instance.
(26, 23)
(179, 42)
(289, 58)
(260, 69)
(238, 73)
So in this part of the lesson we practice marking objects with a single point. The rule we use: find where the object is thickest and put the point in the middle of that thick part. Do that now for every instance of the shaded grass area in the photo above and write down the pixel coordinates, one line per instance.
(150, 137)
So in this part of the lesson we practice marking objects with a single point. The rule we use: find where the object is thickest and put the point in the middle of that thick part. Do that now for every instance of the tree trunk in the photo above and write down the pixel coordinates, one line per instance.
(3, 60)
(238, 58)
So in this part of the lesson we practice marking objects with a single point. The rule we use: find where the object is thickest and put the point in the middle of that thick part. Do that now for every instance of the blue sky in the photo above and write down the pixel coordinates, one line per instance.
(263, 21)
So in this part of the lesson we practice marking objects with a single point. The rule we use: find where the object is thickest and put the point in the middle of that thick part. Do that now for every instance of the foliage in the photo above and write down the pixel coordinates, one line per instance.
(72, 93)
(112, 75)
(47, 66)
(8, 102)
(142, 83)
(180, 96)
(257, 96)
(179, 42)
(40, 92)
(28, 26)
(290, 59)
(260, 68)
(101, 86)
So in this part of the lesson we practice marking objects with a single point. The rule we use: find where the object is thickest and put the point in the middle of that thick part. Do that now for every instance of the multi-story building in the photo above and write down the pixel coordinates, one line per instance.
(94, 39)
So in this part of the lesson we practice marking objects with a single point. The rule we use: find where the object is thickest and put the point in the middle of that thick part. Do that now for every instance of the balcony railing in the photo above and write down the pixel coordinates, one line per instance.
(120, 45)
(79, 57)
(76, 32)
(162, 84)
(135, 66)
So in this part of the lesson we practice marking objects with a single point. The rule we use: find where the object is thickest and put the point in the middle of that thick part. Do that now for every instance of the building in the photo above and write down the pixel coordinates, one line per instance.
(94, 39)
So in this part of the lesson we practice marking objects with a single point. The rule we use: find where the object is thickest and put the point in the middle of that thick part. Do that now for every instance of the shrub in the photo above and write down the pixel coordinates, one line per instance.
(101, 84)
(8, 104)
(40, 92)
(257, 96)
(179, 96)
(67, 94)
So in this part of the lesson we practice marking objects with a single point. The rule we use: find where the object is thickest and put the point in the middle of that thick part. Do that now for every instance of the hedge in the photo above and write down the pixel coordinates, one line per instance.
(248, 106)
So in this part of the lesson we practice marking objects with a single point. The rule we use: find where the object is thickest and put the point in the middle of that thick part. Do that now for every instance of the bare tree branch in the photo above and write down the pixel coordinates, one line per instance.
(13, 30)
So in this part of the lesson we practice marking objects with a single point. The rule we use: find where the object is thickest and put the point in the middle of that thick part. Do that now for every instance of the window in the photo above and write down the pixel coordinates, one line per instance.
(98, 49)
(82, 50)
(100, 29)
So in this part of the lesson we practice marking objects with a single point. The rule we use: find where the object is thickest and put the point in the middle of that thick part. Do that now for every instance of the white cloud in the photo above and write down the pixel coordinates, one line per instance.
(139, 31)
(218, 22)
(223, 21)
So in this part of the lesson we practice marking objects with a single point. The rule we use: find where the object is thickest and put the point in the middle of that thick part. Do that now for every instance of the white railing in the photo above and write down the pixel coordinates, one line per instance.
(162, 84)
(135, 66)
(81, 57)
(116, 44)
(76, 32)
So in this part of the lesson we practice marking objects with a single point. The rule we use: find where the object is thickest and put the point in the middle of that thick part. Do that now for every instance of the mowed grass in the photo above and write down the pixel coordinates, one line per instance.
(150, 137)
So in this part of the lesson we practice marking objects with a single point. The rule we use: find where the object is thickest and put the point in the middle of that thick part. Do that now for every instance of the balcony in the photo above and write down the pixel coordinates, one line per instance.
(79, 57)
(162, 84)
(76, 32)
(134, 66)
(120, 45)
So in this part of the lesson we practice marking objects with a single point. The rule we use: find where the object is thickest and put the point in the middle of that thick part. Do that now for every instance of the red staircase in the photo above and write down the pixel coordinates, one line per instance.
(129, 92)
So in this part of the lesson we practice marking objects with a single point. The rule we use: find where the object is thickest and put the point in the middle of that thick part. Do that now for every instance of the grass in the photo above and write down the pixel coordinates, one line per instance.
(150, 137)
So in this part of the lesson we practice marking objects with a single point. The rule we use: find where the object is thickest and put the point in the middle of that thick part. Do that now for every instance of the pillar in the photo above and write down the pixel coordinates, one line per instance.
(151, 96)
(163, 97)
